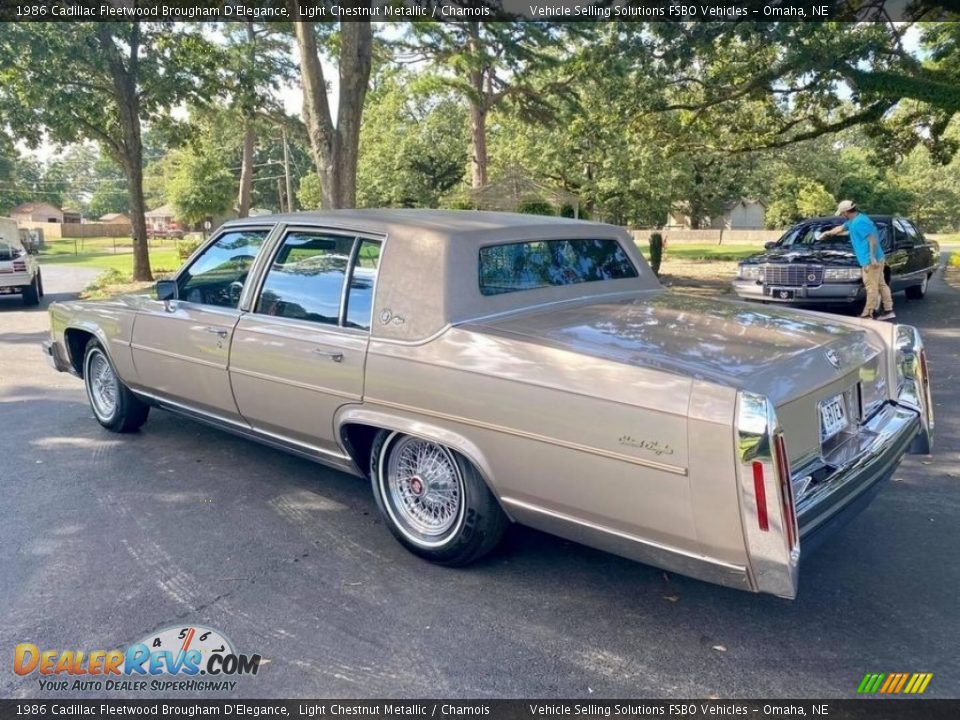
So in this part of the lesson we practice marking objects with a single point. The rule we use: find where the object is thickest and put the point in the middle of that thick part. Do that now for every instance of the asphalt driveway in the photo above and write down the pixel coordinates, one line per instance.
(104, 539)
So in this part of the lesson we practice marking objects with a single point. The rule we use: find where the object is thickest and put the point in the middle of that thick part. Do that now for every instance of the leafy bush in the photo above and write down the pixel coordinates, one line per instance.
(185, 248)
(309, 193)
(656, 252)
(459, 202)
(535, 206)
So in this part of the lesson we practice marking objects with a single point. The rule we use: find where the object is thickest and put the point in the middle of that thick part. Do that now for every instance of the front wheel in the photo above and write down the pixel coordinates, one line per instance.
(433, 500)
(916, 292)
(114, 406)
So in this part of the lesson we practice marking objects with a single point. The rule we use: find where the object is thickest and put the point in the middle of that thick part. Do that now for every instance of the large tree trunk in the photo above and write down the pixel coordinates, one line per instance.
(316, 113)
(335, 149)
(478, 145)
(478, 113)
(138, 220)
(246, 169)
(130, 150)
(249, 135)
(356, 39)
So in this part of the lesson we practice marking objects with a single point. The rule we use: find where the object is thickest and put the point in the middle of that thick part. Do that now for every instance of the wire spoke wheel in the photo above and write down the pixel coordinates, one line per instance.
(424, 490)
(102, 385)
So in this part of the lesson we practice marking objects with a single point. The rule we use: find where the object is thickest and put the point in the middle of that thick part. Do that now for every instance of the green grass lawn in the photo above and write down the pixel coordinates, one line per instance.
(705, 251)
(108, 254)
(951, 242)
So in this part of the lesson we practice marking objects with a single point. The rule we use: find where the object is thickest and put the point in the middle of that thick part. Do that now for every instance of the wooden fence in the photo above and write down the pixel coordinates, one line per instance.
(54, 231)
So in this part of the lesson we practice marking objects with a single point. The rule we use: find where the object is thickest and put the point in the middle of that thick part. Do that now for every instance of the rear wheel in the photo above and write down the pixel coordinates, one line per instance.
(917, 292)
(433, 500)
(114, 406)
(31, 293)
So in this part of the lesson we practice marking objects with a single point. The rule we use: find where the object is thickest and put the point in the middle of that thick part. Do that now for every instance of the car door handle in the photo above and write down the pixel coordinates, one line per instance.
(217, 331)
(332, 354)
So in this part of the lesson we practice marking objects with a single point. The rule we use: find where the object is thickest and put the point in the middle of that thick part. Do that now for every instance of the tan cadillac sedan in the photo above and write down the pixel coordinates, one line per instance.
(483, 368)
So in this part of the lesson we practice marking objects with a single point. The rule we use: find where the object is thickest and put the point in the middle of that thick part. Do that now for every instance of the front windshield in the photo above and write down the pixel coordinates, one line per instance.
(812, 234)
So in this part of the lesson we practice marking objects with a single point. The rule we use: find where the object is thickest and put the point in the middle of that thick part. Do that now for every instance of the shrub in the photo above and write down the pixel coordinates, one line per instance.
(656, 252)
(185, 248)
(535, 206)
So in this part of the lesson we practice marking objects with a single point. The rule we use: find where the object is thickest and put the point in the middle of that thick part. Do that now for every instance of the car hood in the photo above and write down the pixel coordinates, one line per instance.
(825, 254)
(779, 352)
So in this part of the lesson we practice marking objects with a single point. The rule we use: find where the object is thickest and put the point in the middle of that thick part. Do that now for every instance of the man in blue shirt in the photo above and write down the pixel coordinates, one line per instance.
(865, 239)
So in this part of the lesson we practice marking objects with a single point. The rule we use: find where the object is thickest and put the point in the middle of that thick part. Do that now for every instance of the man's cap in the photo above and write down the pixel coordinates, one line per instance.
(846, 206)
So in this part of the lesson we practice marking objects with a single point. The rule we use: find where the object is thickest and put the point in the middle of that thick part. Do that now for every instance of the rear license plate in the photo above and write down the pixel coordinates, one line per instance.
(780, 293)
(833, 417)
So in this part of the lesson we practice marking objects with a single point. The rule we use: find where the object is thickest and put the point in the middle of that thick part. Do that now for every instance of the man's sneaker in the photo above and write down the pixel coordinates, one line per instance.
(887, 315)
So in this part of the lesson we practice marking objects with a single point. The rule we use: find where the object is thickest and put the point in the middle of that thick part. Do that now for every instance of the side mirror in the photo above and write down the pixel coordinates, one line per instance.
(166, 290)
(769, 245)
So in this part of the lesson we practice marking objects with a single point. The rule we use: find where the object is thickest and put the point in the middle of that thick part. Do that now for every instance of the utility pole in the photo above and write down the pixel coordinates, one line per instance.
(286, 172)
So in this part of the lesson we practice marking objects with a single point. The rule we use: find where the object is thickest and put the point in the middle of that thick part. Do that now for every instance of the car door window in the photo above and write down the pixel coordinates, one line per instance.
(218, 274)
(901, 237)
(305, 280)
(912, 233)
(362, 282)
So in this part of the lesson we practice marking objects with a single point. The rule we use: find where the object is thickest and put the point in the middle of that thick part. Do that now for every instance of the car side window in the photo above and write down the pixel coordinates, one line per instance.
(916, 238)
(901, 236)
(362, 282)
(305, 280)
(218, 274)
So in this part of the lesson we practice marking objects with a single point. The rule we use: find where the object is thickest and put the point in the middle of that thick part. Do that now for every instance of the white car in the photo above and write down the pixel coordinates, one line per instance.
(19, 271)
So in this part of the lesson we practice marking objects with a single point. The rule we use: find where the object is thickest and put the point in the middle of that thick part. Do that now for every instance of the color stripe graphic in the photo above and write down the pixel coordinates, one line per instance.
(894, 683)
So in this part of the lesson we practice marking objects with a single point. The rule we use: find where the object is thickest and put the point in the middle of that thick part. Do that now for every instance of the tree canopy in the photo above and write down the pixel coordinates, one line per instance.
(635, 120)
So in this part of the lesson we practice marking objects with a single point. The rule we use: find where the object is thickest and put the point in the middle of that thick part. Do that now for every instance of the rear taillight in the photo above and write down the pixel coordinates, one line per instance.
(782, 462)
(760, 493)
(766, 497)
(19, 266)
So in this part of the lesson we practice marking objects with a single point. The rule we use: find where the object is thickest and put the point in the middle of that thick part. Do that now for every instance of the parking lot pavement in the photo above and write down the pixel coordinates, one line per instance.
(105, 538)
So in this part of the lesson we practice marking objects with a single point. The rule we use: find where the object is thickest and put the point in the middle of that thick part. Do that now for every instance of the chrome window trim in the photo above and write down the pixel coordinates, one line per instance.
(214, 237)
(347, 279)
(257, 271)
(282, 230)
(373, 292)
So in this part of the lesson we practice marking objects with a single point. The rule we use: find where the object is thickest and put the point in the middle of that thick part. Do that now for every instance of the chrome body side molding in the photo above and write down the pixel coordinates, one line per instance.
(278, 442)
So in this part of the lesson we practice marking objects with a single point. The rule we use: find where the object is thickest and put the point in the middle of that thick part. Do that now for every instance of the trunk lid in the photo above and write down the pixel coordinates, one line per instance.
(779, 352)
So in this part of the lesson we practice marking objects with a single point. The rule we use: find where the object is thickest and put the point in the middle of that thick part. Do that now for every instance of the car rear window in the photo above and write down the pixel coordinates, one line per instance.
(9, 251)
(547, 263)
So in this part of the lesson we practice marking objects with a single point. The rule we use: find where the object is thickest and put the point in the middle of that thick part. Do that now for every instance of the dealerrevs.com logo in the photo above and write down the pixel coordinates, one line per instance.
(183, 653)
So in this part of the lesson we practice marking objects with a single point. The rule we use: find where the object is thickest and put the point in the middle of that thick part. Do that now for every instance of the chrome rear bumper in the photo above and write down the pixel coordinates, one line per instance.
(868, 459)
(779, 520)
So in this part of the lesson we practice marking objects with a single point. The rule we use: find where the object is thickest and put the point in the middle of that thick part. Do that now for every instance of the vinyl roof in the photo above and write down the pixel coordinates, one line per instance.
(440, 221)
